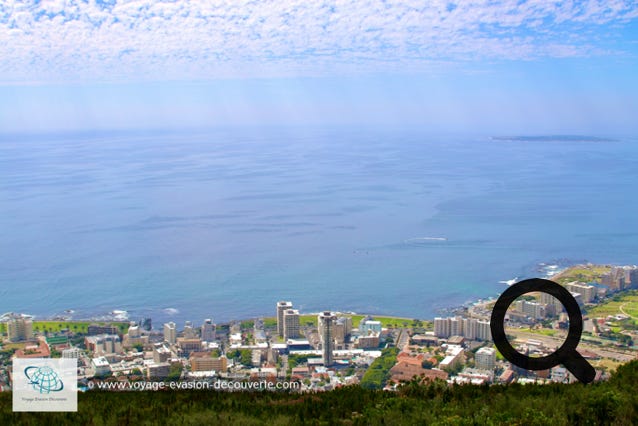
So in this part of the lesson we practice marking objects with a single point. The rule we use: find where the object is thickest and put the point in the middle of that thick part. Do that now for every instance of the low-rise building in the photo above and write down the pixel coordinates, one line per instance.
(369, 341)
(103, 344)
(454, 356)
(186, 346)
(96, 329)
(101, 367)
(161, 353)
(203, 361)
(158, 370)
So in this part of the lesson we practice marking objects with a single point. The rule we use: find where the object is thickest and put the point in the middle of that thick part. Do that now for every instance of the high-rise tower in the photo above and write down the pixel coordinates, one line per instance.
(281, 307)
(327, 321)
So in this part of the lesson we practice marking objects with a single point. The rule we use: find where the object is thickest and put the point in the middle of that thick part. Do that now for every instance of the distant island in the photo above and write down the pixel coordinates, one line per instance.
(553, 138)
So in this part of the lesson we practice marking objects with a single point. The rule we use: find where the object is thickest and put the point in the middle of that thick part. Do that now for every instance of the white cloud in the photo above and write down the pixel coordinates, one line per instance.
(147, 39)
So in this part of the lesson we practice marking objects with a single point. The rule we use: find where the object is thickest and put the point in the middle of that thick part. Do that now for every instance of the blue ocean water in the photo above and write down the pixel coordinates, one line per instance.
(223, 223)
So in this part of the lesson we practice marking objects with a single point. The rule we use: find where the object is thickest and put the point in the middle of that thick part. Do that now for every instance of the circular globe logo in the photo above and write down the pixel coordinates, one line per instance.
(44, 379)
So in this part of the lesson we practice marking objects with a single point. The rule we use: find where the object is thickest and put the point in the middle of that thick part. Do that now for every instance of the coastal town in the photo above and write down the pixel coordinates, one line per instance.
(322, 351)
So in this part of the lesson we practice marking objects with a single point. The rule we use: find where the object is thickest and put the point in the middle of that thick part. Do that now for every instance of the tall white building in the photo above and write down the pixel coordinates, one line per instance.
(342, 329)
(441, 327)
(281, 307)
(327, 321)
(485, 359)
(456, 326)
(587, 292)
(19, 328)
(483, 330)
(291, 324)
(208, 331)
(170, 333)
(534, 310)
(554, 307)
(189, 331)
(470, 328)
(103, 344)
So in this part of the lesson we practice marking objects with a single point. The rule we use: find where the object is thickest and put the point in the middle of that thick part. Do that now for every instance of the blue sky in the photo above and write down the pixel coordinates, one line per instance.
(472, 66)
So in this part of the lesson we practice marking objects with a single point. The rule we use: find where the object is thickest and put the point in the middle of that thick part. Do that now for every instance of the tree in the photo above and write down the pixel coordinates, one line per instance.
(246, 357)
(175, 372)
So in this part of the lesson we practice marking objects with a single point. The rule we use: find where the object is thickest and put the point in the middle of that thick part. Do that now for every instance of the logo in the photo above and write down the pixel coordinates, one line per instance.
(44, 379)
(45, 384)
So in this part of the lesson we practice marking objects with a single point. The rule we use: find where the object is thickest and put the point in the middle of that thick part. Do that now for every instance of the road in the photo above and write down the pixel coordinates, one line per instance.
(625, 313)
(622, 355)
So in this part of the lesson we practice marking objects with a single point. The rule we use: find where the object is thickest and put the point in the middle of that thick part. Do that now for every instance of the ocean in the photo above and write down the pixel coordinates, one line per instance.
(224, 223)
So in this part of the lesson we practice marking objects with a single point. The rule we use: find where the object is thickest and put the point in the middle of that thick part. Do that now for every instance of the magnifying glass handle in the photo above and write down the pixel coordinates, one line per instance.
(579, 367)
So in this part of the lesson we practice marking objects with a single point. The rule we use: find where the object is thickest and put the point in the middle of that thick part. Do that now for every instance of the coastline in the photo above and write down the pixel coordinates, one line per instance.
(552, 270)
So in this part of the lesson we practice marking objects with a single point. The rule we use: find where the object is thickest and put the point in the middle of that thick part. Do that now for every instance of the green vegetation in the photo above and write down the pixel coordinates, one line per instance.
(542, 331)
(244, 356)
(310, 320)
(377, 375)
(613, 402)
(625, 303)
(584, 273)
(73, 326)
(247, 324)
(390, 322)
(270, 322)
(175, 372)
(294, 360)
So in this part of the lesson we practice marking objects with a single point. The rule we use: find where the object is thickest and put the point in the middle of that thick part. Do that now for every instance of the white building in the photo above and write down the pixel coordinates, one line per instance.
(587, 292)
(133, 337)
(441, 327)
(189, 331)
(485, 359)
(291, 324)
(554, 307)
(158, 370)
(170, 333)
(161, 353)
(531, 309)
(483, 330)
(103, 344)
(470, 328)
(454, 356)
(208, 331)
(19, 329)
(281, 307)
(368, 326)
(71, 353)
(101, 367)
(456, 326)
(561, 375)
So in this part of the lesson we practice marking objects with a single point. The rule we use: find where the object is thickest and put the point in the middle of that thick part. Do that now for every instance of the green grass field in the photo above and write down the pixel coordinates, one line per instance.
(542, 331)
(74, 326)
(583, 273)
(628, 302)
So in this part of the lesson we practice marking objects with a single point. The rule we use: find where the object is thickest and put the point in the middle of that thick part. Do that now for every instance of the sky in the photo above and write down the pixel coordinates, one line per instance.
(498, 66)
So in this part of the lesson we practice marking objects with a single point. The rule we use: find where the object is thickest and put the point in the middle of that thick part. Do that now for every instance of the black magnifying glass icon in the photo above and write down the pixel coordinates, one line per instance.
(566, 354)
